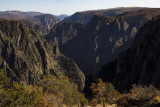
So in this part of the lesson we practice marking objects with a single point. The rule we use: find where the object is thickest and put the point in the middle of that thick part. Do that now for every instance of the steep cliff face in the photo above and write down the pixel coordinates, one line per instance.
(41, 23)
(62, 33)
(25, 56)
(46, 20)
(140, 63)
(98, 42)
(41, 30)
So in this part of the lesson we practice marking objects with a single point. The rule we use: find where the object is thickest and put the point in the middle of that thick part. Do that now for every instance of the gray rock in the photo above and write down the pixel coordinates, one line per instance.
(140, 63)
(26, 56)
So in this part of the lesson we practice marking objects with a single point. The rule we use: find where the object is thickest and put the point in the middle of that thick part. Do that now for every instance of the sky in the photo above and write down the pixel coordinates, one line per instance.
(69, 7)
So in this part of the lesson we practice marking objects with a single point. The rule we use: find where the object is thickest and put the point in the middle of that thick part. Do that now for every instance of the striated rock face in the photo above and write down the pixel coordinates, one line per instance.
(140, 63)
(25, 56)
(41, 23)
(41, 30)
(46, 20)
(71, 70)
(62, 33)
(98, 42)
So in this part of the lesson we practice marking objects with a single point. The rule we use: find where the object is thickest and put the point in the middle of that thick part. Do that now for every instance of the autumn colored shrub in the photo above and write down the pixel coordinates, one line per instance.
(103, 93)
(59, 88)
(18, 94)
(140, 96)
(51, 91)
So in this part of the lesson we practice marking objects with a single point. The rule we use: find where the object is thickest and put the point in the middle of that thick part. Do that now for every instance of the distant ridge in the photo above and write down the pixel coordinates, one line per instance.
(115, 9)
(62, 17)
(40, 22)
(20, 13)
(85, 16)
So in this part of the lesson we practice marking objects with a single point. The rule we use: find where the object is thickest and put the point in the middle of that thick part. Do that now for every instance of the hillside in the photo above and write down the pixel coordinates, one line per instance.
(62, 17)
(98, 42)
(86, 16)
(140, 63)
(40, 22)
(25, 56)
(18, 15)
(46, 20)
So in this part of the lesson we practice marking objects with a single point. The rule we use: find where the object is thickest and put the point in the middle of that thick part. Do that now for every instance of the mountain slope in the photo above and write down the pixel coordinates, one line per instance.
(25, 56)
(62, 17)
(41, 30)
(140, 63)
(101, 40)
(46, 20)
(40, 22)
(86, 16)
(18, 15)
(62, 33)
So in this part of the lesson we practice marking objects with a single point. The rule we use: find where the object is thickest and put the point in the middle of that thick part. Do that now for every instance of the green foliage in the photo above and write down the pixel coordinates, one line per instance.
(110, 93)
(51, 90)
(61, 87)
(18, 94)
(103, 92)
(97, 92)
(4, 80)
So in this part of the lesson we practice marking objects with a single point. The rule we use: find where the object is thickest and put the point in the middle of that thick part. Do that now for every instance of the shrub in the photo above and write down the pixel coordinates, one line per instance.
(103, 92)
(50, 91)
(140, 96)
(18, 94)
(59, 88)
(110, 93)
(4, 80)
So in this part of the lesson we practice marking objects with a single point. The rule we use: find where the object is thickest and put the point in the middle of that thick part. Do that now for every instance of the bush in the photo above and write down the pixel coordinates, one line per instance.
(59, 88)
(110, 93)
(140, 96)
(103, 93)
(50, 91)
(4, 80)
(18, 94)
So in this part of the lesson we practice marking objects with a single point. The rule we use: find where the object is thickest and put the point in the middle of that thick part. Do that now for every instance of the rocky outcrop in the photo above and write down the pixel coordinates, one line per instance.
(25, 56)
(41, 23)
(46, 20)
(140, 63)
(62, 33)
(100, 41)
(70, 69)
(41, 30)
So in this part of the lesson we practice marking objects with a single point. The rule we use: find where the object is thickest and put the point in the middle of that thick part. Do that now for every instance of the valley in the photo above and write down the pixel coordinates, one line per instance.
(104, 57)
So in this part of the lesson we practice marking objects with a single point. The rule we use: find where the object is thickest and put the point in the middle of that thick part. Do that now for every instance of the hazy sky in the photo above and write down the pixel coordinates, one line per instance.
(71, 6)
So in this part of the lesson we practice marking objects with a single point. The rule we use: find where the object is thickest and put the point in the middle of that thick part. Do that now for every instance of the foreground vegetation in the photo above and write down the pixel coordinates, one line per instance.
(50, 91)
(105, 93)
(55, 90)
